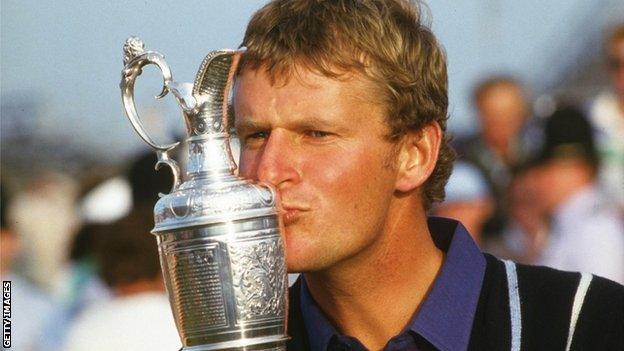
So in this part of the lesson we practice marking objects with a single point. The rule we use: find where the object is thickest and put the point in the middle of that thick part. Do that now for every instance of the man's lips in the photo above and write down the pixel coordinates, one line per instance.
(291, 214)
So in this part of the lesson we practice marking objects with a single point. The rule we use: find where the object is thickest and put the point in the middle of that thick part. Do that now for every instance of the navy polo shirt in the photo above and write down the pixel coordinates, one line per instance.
(444, 320)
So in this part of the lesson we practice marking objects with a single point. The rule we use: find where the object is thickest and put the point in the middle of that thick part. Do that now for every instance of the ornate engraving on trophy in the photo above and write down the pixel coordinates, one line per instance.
(211, 201)
(199, 126)
(258, 279)
(197, 289)
(196, 155)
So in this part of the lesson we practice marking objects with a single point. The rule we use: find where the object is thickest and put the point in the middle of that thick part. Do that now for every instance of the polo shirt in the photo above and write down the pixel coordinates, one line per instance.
(445, 317)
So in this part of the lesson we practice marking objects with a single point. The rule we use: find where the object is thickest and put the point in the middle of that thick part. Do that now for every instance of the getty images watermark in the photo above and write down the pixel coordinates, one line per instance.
(6, 314)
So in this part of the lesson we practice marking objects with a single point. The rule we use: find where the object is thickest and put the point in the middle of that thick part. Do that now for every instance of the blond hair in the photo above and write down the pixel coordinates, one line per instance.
(385, 40)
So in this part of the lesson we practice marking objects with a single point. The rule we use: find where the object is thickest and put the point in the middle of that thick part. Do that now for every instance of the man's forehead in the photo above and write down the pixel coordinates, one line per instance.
(308, 101)
(361, 87)
(301, 71)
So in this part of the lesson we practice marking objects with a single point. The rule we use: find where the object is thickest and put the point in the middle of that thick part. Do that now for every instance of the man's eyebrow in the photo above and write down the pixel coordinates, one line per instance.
(312, 122)
(249, 124)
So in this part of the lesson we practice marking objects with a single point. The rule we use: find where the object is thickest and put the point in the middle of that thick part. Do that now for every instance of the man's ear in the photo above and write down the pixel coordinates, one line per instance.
(418, 156)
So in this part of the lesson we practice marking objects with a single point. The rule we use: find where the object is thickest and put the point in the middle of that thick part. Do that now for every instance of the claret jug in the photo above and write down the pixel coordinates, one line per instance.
(218, 234)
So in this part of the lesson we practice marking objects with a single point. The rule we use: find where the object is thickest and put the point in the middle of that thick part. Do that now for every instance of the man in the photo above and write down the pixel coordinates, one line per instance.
(586, 232)
(341, 105)
(502, 142)
(502, 111)
(525, 235)
(31, 307)
(607, 117)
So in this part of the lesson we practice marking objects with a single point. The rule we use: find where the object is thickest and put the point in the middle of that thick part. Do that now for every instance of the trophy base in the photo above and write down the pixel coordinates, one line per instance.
(255, 344)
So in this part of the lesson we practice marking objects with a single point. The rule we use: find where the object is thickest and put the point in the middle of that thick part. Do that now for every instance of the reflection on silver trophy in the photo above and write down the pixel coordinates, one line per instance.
(218, 235)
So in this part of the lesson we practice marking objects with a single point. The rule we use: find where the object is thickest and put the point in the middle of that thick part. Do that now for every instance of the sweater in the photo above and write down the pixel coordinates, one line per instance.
(526, 308)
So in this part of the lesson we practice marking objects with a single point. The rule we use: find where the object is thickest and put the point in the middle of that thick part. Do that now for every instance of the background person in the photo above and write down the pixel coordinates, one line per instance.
(138, 317)
(31, 307)
(504, 139)
(526, 232)
(586, 232)
(607, 117)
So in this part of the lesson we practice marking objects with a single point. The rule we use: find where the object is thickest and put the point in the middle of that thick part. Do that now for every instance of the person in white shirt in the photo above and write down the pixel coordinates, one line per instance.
(607, 118)
(30, 306)
(138, 317)
(586, 231)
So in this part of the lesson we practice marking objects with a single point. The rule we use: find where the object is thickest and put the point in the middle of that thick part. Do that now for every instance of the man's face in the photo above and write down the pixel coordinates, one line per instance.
(502, 113)
(320, 142)
(525, 203)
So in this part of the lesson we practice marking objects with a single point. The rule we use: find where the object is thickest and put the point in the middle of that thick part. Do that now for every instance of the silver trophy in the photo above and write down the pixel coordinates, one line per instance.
(218, 235)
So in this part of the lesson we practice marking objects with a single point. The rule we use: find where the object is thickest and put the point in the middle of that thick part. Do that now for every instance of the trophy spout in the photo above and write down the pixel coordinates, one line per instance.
(212, 86)
(207, 115)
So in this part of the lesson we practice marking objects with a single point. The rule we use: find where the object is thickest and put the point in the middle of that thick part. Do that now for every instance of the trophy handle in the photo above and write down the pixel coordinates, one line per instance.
(164, 159)
(135, 58)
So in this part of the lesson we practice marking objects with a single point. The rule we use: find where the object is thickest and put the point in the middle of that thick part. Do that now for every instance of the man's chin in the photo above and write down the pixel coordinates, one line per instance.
(303, 252)
(297, 265)
(306, 263)
(301, 263)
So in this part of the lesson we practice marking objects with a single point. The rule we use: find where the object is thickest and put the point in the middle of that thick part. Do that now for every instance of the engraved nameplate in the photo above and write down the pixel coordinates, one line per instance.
(196, 288)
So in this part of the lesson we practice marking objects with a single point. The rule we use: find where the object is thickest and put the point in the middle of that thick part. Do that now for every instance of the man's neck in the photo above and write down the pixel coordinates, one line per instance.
(374, 296)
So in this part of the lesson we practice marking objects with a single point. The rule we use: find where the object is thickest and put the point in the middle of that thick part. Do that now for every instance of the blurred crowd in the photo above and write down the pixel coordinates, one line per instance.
(87, 277)
(546, 190)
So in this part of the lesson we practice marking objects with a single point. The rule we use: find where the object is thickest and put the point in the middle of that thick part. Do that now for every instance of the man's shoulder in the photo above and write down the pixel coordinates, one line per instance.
(589, 307)
(554, 304)
(538, 282)
(542, 279)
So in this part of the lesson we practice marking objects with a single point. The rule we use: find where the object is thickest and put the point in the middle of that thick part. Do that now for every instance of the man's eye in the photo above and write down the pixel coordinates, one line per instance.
(254, 140)
(257, 135)
(317, 134)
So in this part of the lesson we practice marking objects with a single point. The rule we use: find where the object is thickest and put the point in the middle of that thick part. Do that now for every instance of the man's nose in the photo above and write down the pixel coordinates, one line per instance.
(277, 164)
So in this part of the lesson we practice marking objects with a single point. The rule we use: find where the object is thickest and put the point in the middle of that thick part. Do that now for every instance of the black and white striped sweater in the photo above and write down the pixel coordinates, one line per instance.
(528, 308)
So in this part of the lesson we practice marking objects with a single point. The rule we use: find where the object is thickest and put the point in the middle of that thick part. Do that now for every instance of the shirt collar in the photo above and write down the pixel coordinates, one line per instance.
(445, 316)
(318, 328)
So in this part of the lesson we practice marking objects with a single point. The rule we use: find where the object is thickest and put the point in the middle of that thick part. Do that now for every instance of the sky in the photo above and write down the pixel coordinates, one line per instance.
(66, 56)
